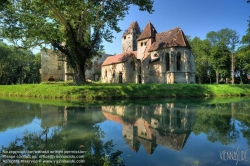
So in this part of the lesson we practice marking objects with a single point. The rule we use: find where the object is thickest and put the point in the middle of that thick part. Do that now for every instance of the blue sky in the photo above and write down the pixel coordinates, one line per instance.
(194, 17)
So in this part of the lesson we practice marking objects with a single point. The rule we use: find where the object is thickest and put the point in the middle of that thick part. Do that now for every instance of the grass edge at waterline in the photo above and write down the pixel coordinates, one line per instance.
(123, 91)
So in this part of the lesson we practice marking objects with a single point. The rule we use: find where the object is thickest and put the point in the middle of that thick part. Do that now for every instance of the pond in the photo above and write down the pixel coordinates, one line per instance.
(147, 132)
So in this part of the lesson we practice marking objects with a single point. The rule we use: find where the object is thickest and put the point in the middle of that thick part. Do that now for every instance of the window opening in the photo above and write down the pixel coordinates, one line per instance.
(178, 61)
(167, 62)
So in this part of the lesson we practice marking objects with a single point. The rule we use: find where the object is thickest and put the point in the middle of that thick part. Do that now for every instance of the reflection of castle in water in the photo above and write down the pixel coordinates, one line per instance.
(167, 125)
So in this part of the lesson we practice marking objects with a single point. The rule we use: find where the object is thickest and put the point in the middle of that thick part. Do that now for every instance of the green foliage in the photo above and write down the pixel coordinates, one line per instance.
(196, 162)
(18, 66)
(220, 59)
(212, 56)
(246, 38)
(38, 22)
(226, 36)
(217, 121)
(200, 49)
(113, 159)
(10, 116)
(230, 39)
(243, 57)
(243, 63)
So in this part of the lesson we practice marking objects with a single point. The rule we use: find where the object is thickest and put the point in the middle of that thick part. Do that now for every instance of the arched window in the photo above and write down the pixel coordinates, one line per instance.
(167, 62)
(178, 61)
(106, 73)
(120, 77)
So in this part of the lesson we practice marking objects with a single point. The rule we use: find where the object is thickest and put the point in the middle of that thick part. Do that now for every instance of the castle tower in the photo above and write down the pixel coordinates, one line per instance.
(130, 36)
(145, 40)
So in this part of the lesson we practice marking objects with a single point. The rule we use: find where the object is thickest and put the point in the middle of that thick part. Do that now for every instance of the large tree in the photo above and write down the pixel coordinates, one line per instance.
(220, 60)
(230, 38)
(76, 28)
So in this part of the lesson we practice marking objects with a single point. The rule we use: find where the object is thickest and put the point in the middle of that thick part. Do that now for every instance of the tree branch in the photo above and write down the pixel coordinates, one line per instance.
(58, 14)
(99, 9)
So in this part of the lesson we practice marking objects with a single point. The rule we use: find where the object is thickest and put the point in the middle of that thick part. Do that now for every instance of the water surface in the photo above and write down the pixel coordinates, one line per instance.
(164, 132)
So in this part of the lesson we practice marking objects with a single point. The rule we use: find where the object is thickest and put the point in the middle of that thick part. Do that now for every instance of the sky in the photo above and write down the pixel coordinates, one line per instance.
(194, 17)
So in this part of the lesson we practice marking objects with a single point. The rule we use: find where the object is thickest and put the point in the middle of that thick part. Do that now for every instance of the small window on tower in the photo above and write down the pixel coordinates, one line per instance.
(59, 66)
(145, 43)
(124, 37)
(141, 44)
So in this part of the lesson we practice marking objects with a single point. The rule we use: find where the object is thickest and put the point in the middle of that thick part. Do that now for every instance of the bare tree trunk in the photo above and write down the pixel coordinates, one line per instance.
(217, 77)
(232, 68)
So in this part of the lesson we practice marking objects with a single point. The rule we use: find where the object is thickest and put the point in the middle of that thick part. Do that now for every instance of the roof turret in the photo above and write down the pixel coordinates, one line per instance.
(148, 32)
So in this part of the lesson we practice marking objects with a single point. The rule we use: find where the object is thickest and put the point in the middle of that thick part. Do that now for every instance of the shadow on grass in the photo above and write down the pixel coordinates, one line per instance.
(141, 91)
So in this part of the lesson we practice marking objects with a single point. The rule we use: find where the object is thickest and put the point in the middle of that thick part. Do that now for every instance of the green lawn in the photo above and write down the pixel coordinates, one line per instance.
(122, 91)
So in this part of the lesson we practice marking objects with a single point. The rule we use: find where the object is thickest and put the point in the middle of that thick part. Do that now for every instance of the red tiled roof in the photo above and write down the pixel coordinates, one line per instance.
(118, 58)
(148, 32)
(172, 38)
(133, 26)
(115, 118)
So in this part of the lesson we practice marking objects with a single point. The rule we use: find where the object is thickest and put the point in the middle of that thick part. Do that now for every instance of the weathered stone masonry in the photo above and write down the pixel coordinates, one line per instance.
(54, 67)
(158, 58)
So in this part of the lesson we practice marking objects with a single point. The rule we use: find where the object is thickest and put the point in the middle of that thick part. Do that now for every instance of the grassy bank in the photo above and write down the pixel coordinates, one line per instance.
(122, 91)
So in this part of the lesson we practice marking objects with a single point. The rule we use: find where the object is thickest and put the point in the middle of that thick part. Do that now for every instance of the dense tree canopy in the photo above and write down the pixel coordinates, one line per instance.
(200, 49)
(243, 58)
(18, 65)
(217, 57)
(76, 29)
(220, 59)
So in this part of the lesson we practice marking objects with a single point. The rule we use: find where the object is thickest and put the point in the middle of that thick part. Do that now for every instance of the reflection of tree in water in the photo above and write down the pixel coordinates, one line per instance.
(218, 122)
(38, 141)
(246, 132)
(243, 115)
(89, 140)
(13, 114)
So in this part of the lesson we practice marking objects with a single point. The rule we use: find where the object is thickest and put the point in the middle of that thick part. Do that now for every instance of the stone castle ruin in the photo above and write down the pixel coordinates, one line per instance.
(54, 67)
(151, 57)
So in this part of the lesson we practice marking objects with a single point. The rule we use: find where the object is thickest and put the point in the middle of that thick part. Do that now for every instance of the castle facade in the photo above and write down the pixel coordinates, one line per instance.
(151, 57)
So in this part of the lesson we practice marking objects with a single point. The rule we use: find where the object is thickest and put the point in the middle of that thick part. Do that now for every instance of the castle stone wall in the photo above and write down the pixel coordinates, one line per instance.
(51, 66)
